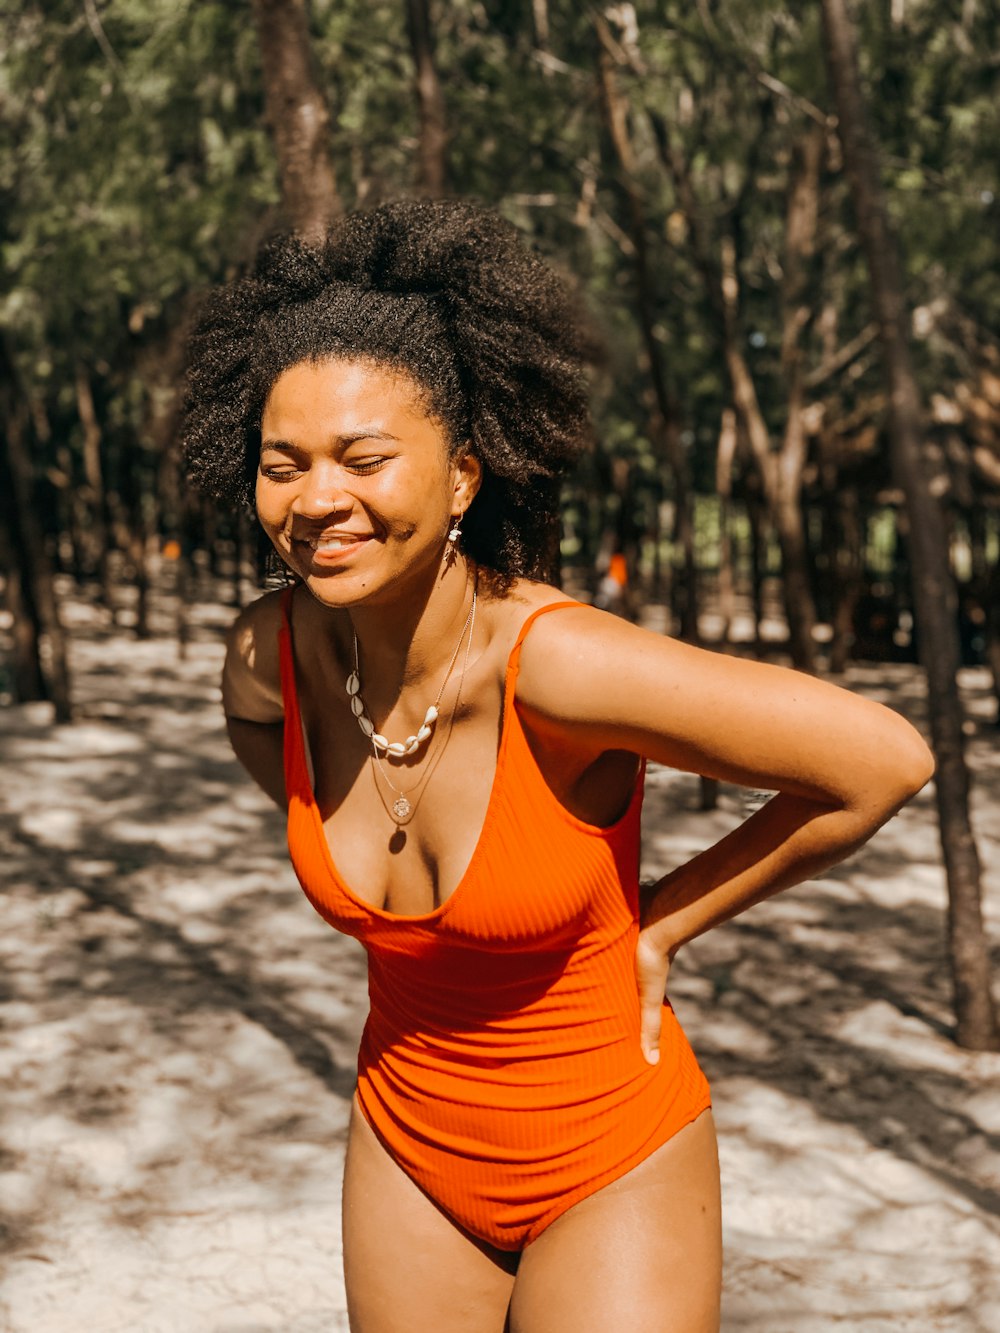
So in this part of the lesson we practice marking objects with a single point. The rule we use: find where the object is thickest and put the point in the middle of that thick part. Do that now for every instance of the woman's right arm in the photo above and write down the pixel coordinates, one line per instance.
(251, 695)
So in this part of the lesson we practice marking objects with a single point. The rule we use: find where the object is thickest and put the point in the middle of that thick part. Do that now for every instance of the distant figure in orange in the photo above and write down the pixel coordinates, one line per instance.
(613, 591)
(460, 749)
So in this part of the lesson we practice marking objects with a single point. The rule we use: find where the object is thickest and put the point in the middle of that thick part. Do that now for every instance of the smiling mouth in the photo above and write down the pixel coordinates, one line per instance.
(338, 542)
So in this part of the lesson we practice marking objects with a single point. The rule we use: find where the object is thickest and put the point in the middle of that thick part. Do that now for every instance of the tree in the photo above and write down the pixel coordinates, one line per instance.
(667, 410)
(432, 151)
(934, 591)
(298, 115)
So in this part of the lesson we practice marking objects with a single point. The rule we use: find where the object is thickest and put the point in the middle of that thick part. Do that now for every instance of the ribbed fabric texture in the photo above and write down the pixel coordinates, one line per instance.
(501, 1064)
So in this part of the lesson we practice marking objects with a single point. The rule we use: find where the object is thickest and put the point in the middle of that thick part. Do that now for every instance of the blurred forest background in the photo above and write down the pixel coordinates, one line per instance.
(786, 224)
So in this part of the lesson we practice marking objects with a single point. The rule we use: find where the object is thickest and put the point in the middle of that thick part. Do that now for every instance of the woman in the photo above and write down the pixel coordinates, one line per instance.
(460, 748)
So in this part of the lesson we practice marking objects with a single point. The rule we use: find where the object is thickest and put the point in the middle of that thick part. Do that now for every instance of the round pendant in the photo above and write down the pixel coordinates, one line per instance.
(401, 807)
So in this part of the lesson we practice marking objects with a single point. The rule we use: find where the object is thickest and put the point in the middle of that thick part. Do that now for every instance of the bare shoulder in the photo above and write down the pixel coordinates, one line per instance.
(586, 664)
(570, 659)
(251, 677)
(506, 614)
(593, 675)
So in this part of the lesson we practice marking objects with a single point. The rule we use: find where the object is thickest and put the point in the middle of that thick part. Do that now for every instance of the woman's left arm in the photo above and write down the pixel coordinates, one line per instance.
(841, 765)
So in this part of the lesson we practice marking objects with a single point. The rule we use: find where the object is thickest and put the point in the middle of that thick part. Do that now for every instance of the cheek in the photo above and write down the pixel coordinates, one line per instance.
(269, 511)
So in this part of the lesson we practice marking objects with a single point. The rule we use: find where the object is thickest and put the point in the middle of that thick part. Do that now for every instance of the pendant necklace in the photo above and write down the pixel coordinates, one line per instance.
(402, 807)
(399, 749)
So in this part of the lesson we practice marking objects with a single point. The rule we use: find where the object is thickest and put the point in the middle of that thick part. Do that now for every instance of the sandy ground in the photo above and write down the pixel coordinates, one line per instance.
(180, 1028)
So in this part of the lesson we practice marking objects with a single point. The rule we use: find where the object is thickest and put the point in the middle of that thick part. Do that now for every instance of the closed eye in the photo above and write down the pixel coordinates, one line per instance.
(369, 465)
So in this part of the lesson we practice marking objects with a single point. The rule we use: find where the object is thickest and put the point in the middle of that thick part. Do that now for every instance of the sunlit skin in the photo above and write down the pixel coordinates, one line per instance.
(353, 461)
(358, 486)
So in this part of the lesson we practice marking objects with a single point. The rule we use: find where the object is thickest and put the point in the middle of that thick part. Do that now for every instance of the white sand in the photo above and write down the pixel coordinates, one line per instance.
(180, 1036)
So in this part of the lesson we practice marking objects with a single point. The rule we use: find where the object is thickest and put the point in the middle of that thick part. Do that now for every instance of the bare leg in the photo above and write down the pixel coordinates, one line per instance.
(643, 1254)
(408, 1268)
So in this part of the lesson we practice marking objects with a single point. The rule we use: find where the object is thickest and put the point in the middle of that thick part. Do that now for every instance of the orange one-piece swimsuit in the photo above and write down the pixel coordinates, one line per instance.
(500, 1064)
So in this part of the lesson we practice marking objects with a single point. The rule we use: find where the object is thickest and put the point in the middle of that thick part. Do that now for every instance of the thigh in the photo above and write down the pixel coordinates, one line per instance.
(644, 1253)
(407, 1267)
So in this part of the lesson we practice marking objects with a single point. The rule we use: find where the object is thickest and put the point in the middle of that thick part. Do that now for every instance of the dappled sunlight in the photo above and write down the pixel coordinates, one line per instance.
(181, 1027)
(181, 1032)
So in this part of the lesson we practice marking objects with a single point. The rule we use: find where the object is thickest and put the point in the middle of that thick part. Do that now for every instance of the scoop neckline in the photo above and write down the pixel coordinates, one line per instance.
(418, 918)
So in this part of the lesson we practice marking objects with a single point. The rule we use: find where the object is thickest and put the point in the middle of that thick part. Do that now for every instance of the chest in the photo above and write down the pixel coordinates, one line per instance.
(410, 864)
(488, 801)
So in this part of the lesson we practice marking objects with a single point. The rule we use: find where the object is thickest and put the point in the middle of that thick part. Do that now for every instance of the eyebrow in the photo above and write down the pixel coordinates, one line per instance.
(343, 440)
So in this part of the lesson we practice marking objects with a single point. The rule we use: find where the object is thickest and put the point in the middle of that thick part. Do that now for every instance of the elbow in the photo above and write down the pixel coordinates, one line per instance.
(910, 763)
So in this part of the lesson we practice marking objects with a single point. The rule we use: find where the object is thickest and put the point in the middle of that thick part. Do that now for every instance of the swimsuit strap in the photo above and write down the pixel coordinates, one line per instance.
(296, 758)
(514, 661)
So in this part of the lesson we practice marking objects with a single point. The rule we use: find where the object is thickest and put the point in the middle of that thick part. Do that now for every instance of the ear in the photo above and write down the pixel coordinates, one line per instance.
(467, 472)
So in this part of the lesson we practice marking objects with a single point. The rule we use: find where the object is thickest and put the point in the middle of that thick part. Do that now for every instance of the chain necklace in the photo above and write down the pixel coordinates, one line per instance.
(402, 807)
(399, 749)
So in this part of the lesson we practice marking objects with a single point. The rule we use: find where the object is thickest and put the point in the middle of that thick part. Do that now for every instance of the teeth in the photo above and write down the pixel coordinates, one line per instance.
(332, 543)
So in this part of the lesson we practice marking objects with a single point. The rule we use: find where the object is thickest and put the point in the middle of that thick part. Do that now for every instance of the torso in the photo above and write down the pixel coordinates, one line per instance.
(419, 872)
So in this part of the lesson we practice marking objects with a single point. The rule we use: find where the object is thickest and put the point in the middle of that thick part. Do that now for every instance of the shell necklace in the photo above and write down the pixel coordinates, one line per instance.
(402, 808)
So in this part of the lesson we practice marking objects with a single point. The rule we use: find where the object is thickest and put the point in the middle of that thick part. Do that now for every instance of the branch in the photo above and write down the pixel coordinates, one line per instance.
(842, 358)
(101, 37)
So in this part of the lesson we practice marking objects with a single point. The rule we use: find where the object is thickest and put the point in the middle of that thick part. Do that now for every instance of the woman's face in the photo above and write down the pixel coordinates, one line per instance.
(355, 486)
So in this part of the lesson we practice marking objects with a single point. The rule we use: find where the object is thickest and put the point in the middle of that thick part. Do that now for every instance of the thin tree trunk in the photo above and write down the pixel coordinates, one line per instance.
(93, 470)
(298, 115)
(992, 629)
(27, 675)
(141, 528)
(725, 456)
(935, 601)
(800, 244)
(781, 475)
(38, 588)
(615, 110)
(757, 521)
(540, 17)
(432, 173)
(847, 574)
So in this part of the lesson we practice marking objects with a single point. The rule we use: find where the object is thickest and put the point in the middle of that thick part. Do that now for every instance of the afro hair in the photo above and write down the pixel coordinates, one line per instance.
(443, 290)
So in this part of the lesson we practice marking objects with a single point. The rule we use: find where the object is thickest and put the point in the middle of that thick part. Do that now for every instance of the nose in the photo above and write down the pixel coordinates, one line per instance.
(321, 493)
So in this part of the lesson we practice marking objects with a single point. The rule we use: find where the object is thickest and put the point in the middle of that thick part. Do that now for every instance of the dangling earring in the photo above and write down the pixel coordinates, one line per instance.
(451, 554)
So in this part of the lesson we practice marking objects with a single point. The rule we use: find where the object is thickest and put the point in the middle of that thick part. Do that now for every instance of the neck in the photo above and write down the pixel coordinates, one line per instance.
(409, 642)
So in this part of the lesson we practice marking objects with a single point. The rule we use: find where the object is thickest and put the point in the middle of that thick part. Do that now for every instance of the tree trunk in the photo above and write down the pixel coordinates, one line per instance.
(848, 578)
(432, 159)
(667, 425)
(725, 456)
(38, 588)
(935, 600)
(298, 115)
(93, 471)
(757, 521)
(800, 245)
(780, 474)
(540, 17)
(992, 629)
(27, 676)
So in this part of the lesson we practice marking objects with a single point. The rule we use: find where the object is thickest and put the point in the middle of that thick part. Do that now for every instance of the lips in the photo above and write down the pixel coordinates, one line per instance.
(336, 541)
(332, 547)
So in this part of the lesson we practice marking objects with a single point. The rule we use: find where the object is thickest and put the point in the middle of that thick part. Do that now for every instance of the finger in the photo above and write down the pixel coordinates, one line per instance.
(651, 975)
(652, 1017)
